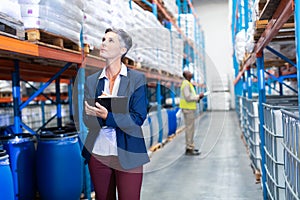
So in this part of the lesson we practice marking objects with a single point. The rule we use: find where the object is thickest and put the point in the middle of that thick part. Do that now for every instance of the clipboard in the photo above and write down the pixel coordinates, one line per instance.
(116, 104)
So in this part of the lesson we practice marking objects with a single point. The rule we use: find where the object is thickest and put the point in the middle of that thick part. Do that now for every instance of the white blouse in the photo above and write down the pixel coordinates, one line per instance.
(106, 142)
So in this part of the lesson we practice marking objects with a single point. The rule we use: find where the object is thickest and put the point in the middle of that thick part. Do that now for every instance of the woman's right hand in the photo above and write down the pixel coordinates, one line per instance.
(97, 110)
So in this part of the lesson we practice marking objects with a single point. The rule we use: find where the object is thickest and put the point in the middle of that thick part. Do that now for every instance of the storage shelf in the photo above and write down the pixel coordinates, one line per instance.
(39, 61)
(38, 98)
(276, 29)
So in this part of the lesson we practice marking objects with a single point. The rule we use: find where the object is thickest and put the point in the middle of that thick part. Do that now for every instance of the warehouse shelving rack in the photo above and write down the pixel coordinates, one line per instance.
(18, 62)
(278, 22)
(33, 61)
(194, 51)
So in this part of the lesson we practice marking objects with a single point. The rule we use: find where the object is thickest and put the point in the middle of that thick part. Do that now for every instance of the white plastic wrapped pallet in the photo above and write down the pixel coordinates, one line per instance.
(60, 17)
(137, 37)
(144, 37)
(250, 43)
(10, 8)
(187, 25)
(171, 6)
(177, 49)
(121, 18)
(94, 22)
(152, 45)
(10, 15)
(240, 45)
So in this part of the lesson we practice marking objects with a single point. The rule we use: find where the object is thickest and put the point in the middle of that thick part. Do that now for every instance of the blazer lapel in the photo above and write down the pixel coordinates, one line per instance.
(124, 85)
(100, 87)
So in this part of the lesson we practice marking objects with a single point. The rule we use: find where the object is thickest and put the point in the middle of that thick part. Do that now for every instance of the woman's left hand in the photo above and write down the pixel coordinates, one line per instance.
(97, 110)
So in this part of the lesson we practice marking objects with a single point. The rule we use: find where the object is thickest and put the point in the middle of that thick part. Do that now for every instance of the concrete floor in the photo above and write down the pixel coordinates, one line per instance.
(222, 171)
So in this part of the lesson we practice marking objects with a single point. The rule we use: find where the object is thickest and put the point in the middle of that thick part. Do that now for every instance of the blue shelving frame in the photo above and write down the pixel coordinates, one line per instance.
(240, 19)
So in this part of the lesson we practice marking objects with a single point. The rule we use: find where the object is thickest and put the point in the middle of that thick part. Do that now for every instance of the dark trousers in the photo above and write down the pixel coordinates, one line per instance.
(107, 176)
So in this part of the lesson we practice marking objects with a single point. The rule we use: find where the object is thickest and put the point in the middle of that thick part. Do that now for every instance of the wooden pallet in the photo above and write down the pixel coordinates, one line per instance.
(91, 51)
(257, 173)
(130, 62)
(155, 147)
(11, 32)
(154, 70)
(46, 38)
(171, 137)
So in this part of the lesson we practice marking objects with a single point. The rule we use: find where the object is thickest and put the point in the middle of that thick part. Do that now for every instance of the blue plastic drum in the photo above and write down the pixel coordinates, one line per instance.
(21, 151)
(172, 121)
(59, 166)
(6, 180)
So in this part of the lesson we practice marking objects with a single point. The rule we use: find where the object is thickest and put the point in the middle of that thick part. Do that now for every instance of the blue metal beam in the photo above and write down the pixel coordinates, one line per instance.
(28, 128)
(234, 21)
(244, 85)
(185, 7)
(37, 90)
(79, 84)
(70, 95)
(147, 3)
(246, 14)
(172, 94)
(159, 115)
(154, 9)
(273, 88)
(240, 19)
(281, 56)
(130, 4)
(58, 103)
(261, 100)
(24, 104)
(178, 2)
(47, 122)
(280, 80)
(249, 84)
(16, 92)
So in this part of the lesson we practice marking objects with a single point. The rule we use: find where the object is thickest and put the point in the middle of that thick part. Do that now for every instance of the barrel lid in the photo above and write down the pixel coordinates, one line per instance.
(2, 153)
(58, 130)
(15, 136)
(56, 135)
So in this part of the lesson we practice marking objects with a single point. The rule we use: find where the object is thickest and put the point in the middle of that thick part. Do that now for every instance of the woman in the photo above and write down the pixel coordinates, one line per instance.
(115, 149)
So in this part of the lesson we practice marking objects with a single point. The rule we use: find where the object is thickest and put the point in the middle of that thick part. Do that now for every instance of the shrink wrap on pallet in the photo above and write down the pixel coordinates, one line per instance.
(177, 46)
(240, 45)
(187, 25)
(152, 42)
(11, 9)
(95, 22)
(171, 6)
(250, 43)
(10, 15)
(59, 17)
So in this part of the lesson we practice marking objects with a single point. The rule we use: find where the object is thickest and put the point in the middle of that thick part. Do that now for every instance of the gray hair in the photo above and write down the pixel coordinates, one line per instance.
(124, 38)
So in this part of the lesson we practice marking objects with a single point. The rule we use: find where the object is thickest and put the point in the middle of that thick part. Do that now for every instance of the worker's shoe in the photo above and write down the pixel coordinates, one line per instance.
(192, 152)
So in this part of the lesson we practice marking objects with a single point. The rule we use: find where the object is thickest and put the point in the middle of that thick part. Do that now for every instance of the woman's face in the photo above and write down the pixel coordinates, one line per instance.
(111, 46)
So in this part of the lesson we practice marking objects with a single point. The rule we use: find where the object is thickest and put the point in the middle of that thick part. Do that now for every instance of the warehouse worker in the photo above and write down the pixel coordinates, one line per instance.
(188, 104)
(115, 148)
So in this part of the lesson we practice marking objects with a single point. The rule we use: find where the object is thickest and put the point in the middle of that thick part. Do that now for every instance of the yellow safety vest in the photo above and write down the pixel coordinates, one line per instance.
(192, 105)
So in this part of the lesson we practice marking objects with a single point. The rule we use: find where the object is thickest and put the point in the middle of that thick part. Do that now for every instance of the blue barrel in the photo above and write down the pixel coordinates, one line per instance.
(172, 121)
(6, 180)
(21, 151)
(59, 166)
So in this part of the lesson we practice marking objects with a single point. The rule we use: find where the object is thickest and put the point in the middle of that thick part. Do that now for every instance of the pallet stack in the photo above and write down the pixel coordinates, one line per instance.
(10, 19)
(53, 21)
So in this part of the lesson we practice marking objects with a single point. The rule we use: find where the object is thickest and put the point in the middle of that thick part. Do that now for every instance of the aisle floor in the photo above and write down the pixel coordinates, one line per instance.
(222, 171)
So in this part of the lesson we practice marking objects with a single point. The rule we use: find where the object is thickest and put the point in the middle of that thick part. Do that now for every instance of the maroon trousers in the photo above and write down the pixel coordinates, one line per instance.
(107, 176)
